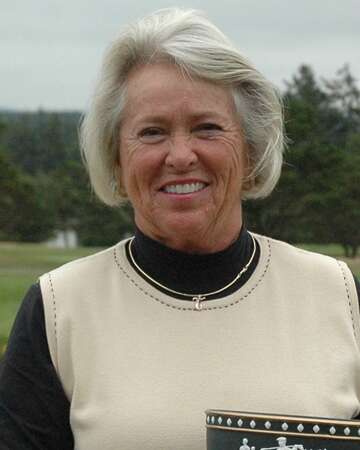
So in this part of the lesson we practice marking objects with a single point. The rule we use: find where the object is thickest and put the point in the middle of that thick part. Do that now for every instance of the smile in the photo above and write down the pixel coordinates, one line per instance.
(187, 188)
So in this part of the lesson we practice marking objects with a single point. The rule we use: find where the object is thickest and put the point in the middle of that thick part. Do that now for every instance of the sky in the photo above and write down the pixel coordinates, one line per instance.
(51, 50)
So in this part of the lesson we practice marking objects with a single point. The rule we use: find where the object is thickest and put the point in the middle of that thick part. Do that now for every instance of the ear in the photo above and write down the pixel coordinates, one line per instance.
(249, 180)
(248, 184)
(120, 188)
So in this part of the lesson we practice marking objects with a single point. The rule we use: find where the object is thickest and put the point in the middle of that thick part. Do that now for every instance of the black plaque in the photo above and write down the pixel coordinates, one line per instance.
(234, 430)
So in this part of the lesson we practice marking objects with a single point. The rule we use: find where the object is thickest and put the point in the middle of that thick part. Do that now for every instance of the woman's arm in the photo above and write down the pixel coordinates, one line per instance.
(34, 411)
(357, 284)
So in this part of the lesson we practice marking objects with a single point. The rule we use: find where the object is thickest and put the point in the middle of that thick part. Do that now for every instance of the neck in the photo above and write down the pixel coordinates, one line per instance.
(212, 239)
(189, 273)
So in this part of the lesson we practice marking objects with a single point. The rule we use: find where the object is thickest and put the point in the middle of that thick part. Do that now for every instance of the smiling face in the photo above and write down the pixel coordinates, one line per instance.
(182, 159)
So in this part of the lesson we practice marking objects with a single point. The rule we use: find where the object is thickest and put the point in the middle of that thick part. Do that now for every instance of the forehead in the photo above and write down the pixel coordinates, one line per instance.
(163, 87)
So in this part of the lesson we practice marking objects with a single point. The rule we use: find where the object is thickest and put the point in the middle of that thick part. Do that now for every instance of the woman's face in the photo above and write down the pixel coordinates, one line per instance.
(182, 159)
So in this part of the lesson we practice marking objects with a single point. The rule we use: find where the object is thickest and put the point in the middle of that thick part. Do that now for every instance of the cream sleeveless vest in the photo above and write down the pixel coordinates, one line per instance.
(140, 367)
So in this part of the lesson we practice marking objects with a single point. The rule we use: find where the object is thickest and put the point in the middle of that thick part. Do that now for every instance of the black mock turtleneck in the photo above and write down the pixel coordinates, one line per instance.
(195, 273)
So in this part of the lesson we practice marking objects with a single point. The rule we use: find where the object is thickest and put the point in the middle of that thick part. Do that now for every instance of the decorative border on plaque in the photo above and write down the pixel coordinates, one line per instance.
(284, 425)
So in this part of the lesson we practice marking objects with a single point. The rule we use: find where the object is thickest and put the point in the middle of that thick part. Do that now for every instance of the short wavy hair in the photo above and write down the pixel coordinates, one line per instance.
(189, 40)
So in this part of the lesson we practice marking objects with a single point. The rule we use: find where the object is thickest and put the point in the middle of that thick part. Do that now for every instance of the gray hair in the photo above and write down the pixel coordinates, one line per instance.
(189, 40)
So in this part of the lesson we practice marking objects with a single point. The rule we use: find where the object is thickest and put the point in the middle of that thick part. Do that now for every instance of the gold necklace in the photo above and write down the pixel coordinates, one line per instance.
(197, 298)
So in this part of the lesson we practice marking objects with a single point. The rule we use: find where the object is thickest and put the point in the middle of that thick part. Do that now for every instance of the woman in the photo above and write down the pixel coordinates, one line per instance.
(128, 347)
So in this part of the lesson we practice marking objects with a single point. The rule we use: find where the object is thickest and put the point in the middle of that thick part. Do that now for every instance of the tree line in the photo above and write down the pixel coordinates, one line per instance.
(44, 186)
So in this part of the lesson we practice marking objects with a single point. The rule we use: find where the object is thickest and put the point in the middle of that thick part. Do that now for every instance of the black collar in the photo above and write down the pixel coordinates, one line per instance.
(191, 273)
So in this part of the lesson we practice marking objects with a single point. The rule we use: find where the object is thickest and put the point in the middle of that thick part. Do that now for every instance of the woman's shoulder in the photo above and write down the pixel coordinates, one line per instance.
(301, 267)
(80, 279)
(302, 260)
(291, 249)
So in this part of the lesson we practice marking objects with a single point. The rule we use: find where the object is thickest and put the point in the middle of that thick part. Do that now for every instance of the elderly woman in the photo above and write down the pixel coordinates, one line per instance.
(127, 348)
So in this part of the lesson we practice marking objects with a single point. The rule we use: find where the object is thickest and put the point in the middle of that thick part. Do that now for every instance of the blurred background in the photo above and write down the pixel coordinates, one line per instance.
(50, 55)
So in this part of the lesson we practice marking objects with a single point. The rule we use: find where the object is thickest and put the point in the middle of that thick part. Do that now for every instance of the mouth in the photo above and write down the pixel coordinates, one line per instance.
(184, 188)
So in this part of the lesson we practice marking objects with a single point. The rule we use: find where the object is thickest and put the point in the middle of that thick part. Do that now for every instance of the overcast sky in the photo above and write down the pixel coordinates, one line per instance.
(50, 50)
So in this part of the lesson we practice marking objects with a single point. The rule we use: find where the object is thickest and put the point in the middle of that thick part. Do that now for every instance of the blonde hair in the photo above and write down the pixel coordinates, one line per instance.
(189, 40)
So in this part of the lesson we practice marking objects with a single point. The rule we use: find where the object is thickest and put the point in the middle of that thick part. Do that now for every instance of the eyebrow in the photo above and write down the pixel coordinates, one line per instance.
(154, 117)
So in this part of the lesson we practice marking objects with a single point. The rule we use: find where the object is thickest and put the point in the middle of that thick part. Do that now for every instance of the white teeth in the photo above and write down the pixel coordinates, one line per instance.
(187, 188)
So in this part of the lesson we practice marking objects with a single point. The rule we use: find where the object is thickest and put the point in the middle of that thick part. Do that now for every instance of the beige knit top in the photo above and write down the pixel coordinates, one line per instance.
(140, 367)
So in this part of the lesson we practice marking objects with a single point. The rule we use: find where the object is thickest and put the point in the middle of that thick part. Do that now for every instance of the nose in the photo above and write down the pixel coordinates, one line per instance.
(181, 154)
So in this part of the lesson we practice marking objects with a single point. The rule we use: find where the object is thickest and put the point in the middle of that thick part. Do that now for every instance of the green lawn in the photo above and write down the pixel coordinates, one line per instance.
(21, 264)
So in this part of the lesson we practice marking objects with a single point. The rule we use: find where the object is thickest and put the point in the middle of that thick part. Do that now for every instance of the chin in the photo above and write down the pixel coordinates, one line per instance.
(184, 233)
(184, 223)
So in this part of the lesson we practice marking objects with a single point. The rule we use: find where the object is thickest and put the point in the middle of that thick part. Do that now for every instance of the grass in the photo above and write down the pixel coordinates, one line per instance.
(21, 265)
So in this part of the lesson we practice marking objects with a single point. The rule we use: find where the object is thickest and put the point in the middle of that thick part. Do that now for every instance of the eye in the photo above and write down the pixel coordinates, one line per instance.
(207, 130)
(151, 135)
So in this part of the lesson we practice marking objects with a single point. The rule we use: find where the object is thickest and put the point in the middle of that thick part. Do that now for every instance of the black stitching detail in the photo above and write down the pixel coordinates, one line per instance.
(208, 308)
(348, 297)
(54, 307)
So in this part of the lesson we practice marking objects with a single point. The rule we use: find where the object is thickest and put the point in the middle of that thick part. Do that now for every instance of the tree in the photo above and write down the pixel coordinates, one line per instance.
(317, 197)
(327, 159)
(65, 189)
(307, 118)
(41, 142)
(8, 192)
(340, 205)
(344, 95)
(23, 213)
(102, 225)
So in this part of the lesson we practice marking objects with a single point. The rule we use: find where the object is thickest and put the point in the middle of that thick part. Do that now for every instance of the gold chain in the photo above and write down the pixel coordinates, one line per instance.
(197, 298)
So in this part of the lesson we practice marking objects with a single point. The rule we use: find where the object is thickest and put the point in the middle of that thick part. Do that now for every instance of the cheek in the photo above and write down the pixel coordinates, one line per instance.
(237, 156)
(141, 168)
(128, 154)
(229, 166)
(228, 158)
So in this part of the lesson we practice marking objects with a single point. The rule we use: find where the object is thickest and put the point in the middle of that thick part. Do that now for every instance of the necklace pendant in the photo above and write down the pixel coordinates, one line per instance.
(198, 299)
